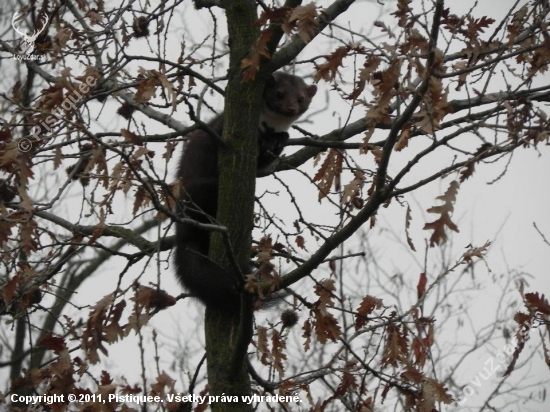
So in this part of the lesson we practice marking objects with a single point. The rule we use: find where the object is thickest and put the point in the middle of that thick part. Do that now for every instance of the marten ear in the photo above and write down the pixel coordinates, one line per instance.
(311, 90)
(271, 82)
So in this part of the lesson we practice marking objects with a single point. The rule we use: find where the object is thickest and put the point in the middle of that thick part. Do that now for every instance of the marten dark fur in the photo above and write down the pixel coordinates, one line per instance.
(286, 97)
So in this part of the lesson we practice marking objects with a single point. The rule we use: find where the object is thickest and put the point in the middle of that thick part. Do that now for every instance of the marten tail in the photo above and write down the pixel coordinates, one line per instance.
(206, 280)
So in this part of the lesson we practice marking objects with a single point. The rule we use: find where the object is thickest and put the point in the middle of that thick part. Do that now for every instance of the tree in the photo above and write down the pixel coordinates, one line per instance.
(444, 94)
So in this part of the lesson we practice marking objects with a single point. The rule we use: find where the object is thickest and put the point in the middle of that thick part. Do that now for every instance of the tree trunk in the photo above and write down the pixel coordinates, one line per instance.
(228, 334)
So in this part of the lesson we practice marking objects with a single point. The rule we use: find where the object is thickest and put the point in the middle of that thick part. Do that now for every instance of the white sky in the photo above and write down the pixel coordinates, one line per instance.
(503, 212)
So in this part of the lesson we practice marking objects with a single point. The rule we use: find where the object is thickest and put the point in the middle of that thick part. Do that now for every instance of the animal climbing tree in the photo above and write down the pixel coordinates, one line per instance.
(416, 97)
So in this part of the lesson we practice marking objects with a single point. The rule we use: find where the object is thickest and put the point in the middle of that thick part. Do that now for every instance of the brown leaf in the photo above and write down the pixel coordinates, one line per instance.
(5, 231)
(330, 169)
(250, 66)
(132, 137)
(396, 348)
(272, 15)
(326, 326)
(264, 257)
(327, 71)
(421, 286)
(142, 199)
(546, 351)
(536, 303)
(368, 304)
(403, 138)
(467, 171)
(152, 298)
(385, 29)
(408, 219)
(8, 290)
(93, 334)
(301, 242)
(63, 365)
(146, 90)
(478, 252)
(262, 344)
(28, 236)
(112, 332)
(278, 352)
(53, 343)
(353, 189)
(434, 392)
(105, 378)
(438, 226)
(164, 384)
(307, 334)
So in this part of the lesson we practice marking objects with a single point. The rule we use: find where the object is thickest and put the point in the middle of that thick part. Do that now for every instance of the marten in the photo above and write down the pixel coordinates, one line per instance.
(285, 99)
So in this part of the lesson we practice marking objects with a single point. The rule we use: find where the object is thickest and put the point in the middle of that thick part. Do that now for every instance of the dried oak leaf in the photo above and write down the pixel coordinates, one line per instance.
(421, 286)
(370, 65)
(396, 348)
(408, 219)
(272, 14)
(251, 64)
(327, 71)
(152, 298)
(329, 171)
(445, 211)
(325, 325)
(93, 335)
(478, 252)
(163, 385)
(404, 137)
(264, 257)
(261, 344)
(368, 304)
(353, 189)
(278, 355)
(132, 137)
(300, 242)
(307, 334)
(434, 392)
(536, 303)
(8, 290)
(467, 171)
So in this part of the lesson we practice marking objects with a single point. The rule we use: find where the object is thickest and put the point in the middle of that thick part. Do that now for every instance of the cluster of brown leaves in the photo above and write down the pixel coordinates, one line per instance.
(321, 320)
(57, 376)
(367, 306)
(103, 324)
(265, 274)
(149, 80)
(329, 172)
(538, 311)
(430, 394)
(300, 20)
(275, 356)
(62, 374)
(19, 293)
(402, 350)
(411, 353)
(350, 381)
(351, 193)
(526, 123)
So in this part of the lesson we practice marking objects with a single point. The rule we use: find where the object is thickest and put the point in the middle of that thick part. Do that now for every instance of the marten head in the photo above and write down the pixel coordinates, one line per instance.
(286, 98)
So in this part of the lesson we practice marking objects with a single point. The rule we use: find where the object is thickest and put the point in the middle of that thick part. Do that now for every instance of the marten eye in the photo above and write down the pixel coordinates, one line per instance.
(300, 99)
(280, 95)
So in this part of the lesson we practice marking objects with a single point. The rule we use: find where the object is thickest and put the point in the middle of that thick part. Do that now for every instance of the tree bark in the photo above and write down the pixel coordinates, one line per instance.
(228, 334)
